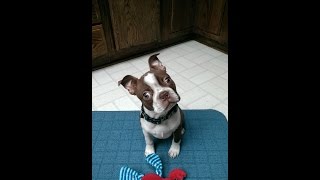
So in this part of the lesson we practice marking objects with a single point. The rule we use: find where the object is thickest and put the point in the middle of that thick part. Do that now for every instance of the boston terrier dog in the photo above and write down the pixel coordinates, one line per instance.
(160, 115)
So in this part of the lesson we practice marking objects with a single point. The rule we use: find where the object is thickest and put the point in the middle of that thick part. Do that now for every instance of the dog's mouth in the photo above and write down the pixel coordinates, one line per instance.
(165, 104)
(169, 106)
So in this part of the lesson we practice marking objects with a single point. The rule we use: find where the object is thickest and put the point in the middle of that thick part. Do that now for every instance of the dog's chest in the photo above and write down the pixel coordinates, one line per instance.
(163, 130)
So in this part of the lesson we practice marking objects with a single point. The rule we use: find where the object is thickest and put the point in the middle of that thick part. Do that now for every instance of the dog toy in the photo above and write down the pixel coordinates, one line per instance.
(153, 159)
(176, 174)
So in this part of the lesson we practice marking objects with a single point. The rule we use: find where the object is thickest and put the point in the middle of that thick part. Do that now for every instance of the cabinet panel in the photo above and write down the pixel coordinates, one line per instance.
(176, 17)
(95, 12)
(134, 22)
(224, 27)
(209, 14)
(99, 47)
(181, 15)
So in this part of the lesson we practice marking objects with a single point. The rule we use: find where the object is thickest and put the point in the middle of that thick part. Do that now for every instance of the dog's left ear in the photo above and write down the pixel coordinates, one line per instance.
(155, 63)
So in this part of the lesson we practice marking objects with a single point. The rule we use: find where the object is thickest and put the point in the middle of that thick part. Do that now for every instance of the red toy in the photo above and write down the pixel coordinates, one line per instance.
(153, 159)
(176, 174)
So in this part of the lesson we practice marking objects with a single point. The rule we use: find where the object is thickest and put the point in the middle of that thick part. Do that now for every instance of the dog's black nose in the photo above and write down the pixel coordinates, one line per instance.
(164, 95)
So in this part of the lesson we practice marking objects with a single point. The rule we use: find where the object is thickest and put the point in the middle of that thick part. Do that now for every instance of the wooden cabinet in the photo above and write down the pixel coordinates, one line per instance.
(211, 20)
(99, 47)
(99, 44)
(96, 18)
(134, 22)
(125, 28)
(177, 18)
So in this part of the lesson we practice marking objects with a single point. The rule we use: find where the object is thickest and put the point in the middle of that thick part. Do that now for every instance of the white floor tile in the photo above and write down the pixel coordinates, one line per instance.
(180, 51)
(194, 44)
(94, 83)
(200, 74)
(198, 45)
(140, 64)
(183, 83)
(214, 90)
(212, 51)
(101, 76)
(191, 96)
(104, 88)
(220, 63)
(138, 74)
(212, 67)
(189, 73)
(223, 57)
(108, 97)
(220, 82)
(135, 100)
(93, 108)
(164, 52)
(206, 102)
(226, 101)
(203, 77)
(117, 67)
(174, 66)
(117, 76)
(179, 89)
(108, 107)
(167, 57)
(125, 103)
(170, 71)
(225, 76)
(185, 62)
(203, 58)
(192, 56)
(187, 48)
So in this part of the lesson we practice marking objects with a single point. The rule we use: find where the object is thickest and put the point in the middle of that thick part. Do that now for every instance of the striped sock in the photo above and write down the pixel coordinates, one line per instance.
(155, 161)
(127, 173)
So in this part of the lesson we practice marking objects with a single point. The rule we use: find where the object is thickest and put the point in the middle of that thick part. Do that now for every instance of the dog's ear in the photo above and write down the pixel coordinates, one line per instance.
(155, 63)
(130, 83)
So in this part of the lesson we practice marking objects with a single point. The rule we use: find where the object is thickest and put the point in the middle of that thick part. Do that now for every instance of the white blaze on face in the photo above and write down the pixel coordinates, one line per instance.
(159, 105)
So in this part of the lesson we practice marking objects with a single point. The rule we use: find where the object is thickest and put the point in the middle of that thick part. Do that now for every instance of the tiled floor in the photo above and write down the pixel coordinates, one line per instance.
(200, 74)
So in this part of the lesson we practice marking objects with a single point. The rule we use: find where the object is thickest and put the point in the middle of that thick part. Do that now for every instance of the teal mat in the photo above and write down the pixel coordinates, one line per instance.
(117, 141)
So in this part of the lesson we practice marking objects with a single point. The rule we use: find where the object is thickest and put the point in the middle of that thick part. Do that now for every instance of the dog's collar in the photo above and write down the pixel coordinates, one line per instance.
(160, 119)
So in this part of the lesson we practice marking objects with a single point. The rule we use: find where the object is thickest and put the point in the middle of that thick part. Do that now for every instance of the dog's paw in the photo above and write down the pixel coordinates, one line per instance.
(174, 150)
(149, 150)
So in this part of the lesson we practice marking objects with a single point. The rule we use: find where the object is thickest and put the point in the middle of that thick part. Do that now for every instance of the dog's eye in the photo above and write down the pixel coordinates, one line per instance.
(167, 79)
(146, 95)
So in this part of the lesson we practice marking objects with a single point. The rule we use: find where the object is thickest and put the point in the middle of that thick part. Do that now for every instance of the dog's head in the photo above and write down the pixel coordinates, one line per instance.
(156, 90)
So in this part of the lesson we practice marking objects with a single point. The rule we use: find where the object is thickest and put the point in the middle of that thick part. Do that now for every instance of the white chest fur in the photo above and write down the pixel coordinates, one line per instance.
(163, 130)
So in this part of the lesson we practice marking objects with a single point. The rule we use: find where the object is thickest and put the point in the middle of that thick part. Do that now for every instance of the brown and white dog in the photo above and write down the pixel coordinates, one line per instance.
(160, 116)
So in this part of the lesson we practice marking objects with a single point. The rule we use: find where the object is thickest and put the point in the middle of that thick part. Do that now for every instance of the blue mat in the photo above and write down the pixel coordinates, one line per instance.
(117, 141)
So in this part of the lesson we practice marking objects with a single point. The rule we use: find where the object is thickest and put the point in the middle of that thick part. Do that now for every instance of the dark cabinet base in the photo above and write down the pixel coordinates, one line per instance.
(130, 53)
(211, 43)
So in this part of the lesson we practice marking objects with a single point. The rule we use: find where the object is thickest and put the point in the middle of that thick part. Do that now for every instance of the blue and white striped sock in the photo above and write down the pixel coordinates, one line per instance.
(127, 173)
(155, 161)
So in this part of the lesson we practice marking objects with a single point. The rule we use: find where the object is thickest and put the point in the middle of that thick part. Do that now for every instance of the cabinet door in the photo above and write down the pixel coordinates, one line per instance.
(99, 47)
(177, 18)
(209, 15)
(134, 22)
(211, 22)
(224, 27)
(95, 12)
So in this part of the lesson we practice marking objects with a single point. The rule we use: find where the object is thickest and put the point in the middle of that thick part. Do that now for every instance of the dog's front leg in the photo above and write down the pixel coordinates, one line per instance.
(175, 146)
(149, 143)
(177, 136)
